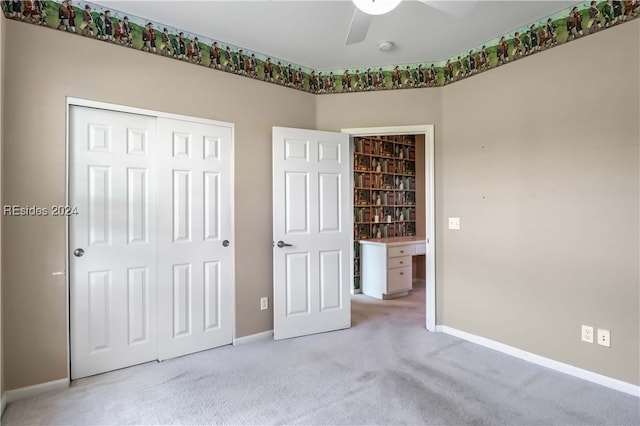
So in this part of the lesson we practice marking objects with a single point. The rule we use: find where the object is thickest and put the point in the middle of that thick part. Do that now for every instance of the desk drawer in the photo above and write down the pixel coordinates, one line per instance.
(399, 279)
(399, 262)
(419, 248)
(398, 251)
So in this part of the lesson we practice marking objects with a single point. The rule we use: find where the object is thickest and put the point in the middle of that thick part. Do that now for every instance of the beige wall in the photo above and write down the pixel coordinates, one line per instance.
(554, 243)
(47, 65)
(539, 159)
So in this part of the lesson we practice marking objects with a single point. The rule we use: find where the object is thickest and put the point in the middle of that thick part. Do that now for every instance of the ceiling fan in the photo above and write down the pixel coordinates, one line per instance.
(367, 9)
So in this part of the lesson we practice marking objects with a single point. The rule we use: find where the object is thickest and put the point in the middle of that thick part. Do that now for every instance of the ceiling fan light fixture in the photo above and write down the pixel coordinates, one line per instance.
(376, 7)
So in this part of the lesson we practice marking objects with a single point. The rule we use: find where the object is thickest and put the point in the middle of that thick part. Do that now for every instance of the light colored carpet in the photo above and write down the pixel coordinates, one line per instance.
(386, 369)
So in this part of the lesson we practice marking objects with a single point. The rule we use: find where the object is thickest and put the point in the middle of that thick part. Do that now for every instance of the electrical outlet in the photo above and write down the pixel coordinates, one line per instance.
(587, 333)
(604, 337)
(454, 223)
(264, 303)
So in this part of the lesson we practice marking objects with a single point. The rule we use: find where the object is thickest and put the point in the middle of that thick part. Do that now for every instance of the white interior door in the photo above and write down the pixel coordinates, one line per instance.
(112, 264)
(312, 225)
(195, 254)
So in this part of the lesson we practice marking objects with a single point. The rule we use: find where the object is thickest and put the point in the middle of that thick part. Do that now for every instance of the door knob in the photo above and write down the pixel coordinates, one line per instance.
(283, 244)
(225, 243)
(78, 252)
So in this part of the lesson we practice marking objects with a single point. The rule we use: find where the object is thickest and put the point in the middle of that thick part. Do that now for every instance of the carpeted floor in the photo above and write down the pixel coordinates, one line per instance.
(386, 369)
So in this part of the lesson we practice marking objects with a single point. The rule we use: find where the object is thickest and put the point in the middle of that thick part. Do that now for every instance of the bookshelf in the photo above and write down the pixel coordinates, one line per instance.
(384, 181)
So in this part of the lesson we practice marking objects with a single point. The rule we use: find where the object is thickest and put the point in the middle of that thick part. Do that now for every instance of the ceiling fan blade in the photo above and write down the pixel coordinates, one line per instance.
(359, 27)
(453, 8)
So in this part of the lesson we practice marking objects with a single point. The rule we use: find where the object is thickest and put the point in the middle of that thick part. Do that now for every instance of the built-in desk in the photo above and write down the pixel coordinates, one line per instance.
(386, 267)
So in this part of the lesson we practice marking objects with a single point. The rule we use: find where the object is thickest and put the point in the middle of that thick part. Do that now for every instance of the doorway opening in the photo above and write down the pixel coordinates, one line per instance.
(394, 212)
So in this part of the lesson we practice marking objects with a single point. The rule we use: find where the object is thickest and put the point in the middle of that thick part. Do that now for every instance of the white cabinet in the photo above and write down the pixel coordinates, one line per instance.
(387, 265)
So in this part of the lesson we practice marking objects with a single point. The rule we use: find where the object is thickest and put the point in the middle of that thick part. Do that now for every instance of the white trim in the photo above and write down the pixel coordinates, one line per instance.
(265, 335)
(143, 111)
(29, 391)
(232, 178)
(67, 228)
(429, 163)
(571, 370)
(388, 130)
(430, 227)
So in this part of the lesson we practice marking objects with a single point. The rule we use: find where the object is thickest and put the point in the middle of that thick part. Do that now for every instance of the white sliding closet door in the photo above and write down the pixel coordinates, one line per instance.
(151, 255)
(112, 240)
(195, 255)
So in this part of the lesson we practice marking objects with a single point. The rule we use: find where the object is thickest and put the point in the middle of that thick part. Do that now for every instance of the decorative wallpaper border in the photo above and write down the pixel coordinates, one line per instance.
(97, 22)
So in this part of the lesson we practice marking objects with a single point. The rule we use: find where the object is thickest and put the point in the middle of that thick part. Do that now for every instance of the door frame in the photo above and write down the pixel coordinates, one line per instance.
(429, 165)
(79, 102)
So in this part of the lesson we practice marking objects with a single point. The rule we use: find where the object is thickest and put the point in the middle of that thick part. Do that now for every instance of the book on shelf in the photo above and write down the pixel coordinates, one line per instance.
(410, 168)
(366, 180)
(387, 149)
(361, 162)
(411, 228)
(409, 214)
(377, 181)
(410, 198)
(363, 196)
(368, 146)
(377, 147)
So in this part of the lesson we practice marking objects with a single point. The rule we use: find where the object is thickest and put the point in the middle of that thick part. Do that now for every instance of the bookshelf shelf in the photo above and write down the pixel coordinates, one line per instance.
(384, 190)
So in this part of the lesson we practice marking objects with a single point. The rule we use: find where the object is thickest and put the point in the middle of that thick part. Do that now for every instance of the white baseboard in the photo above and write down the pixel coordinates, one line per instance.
(265, 335)
(28, 391)
(581, 373)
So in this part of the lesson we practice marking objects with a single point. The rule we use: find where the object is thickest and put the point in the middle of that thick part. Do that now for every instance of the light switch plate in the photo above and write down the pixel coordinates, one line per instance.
(454, 223)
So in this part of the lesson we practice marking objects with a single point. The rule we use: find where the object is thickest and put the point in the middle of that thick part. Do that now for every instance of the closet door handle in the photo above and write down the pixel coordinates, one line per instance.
(225, 243)
(281, 244)
(78, 252)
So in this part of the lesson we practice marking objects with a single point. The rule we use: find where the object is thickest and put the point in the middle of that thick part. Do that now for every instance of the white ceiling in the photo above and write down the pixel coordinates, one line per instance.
(312, 33)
